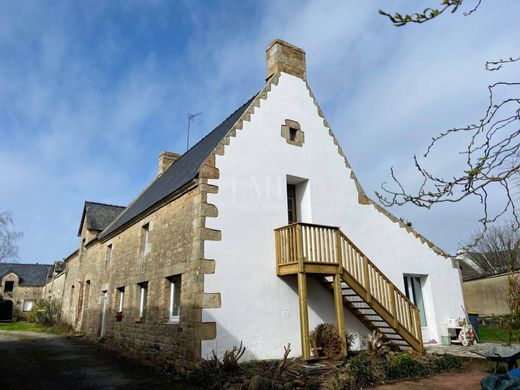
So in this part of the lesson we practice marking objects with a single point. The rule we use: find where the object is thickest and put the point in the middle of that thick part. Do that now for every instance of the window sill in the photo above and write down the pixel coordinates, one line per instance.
(174, 322)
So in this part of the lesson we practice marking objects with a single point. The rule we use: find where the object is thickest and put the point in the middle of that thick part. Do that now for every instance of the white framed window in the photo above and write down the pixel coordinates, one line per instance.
(108, 256)
(174, 308)
(146, 238)
(27, 305)
(120, 299)
(143, 297)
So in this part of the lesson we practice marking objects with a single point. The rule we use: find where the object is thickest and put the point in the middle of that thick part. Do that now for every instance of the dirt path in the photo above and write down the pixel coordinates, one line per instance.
(43, 361)
(468, 379)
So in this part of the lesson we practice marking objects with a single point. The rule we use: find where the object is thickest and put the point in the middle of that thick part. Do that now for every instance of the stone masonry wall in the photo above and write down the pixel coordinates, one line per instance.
(176, 237)
(19, 294)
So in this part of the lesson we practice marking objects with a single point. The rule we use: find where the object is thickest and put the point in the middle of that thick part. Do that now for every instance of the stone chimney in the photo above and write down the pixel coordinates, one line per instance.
(284, 57)
(165, 160)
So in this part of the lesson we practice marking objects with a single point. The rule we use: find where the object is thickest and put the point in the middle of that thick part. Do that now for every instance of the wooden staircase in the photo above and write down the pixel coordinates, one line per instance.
(325, 252)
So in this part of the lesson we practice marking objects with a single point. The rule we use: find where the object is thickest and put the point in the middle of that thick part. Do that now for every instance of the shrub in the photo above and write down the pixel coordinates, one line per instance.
(214, 373)
(445, 363)
(326, 337)
(45, 312)
(404, 366)
(362, 371)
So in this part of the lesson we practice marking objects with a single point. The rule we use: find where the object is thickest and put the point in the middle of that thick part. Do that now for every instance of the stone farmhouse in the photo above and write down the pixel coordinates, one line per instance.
(20, 286)
(256, 234)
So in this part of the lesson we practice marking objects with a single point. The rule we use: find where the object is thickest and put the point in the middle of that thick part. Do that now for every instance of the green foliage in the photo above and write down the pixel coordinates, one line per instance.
(445, 363)
(403, 366)
(498, 335)
(22, 327)
(45, 312)
(312, 384)
(361, 372)
(326, 337)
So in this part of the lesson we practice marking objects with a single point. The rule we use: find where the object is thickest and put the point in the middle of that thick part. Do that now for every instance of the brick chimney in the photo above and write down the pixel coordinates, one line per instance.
(284, 57)
(166, 159)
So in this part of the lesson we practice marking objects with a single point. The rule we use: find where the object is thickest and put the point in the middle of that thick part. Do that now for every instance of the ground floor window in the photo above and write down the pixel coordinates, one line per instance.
(143, 296)
(413, 289)
(175, 299)
(27, 305)
(120, 299)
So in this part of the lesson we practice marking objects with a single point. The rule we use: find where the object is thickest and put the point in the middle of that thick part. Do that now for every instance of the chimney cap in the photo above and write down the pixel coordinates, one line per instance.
(282, 56)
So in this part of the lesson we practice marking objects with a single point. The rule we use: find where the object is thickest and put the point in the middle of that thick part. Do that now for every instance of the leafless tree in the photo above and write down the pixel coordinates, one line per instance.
(492, 163)
(8, 237)
(497, 249)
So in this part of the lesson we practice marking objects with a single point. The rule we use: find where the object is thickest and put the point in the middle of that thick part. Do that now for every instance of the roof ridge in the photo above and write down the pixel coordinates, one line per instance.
(176, 175)
(104, 204)
(33, 264)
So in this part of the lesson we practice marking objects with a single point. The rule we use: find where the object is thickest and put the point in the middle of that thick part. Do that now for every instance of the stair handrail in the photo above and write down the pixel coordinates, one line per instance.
(292, 251)
(376, 268)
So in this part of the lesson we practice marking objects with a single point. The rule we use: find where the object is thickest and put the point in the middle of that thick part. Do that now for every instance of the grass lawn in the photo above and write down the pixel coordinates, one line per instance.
(22, 326)
(498, 335)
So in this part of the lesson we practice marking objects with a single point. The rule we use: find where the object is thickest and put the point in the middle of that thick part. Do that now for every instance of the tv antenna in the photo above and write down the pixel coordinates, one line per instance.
(190, 118)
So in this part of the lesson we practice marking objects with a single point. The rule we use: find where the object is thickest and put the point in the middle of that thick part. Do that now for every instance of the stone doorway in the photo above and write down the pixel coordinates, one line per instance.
(6, 310)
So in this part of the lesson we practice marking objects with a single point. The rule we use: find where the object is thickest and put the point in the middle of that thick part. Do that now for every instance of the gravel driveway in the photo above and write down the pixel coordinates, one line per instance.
(43, 361)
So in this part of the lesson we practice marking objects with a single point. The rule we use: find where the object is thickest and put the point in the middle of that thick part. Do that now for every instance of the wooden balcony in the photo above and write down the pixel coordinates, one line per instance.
(303, 248)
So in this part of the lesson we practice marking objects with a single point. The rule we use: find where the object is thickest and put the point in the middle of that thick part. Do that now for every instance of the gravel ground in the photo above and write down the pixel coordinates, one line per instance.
(43, 361)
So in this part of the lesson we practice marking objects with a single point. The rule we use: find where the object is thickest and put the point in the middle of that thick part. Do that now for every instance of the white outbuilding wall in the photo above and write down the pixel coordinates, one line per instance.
(260, 308)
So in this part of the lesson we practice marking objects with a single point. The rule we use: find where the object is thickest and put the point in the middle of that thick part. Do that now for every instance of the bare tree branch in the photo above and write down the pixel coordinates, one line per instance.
(428, 14)
(492, 161)
(497, 65)
(8, 238)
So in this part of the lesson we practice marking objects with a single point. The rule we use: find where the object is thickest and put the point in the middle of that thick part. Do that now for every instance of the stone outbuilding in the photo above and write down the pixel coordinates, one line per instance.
(20, 286)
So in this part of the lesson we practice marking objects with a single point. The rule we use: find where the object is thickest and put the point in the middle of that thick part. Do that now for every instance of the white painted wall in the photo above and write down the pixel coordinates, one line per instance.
(260, 308)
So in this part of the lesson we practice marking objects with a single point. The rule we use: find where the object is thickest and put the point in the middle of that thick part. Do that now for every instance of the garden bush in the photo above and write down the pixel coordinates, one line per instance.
(361, 371)
(45, 312)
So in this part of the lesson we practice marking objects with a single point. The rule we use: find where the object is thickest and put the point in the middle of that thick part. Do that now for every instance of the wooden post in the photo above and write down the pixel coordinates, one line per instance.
(340, 317)
(302, 296)
(367, 280)
(418, 327)
(393, 305)
(304, 315)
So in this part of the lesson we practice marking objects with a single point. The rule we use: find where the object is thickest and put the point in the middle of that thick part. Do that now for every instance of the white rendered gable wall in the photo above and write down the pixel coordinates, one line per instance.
(260, 308)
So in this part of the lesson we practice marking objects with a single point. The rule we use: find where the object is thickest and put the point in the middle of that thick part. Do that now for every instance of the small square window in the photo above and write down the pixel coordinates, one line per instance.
(8, 286)
(175, 299)
(292, 134)
(27, 306)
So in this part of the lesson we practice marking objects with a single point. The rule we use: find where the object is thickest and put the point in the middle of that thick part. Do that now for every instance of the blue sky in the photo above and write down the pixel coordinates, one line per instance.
(92, 91)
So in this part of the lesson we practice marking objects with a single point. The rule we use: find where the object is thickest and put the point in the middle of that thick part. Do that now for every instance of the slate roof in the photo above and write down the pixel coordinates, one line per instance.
(99, 215)
(177, 175)
(28, 274)
(480, 259)
(468, 272)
